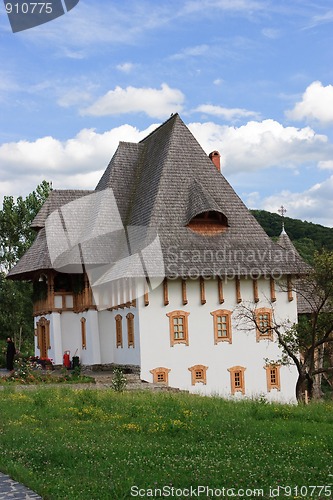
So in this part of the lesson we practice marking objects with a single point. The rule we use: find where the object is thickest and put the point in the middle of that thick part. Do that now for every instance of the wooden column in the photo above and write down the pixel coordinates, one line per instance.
(220, 289)
(184, 292)
(255, 290)
(146, 294)
(50, 291)
(165, 292)
(238, 291)
(290, 289)
(202, 291)
(272, 287)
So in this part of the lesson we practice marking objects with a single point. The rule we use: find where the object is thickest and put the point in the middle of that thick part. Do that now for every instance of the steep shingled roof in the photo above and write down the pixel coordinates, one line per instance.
(37, 256)
(56, 199)
(155, 183)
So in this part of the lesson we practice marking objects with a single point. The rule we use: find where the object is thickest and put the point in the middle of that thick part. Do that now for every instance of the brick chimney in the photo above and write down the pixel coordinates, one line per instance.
(215, 157)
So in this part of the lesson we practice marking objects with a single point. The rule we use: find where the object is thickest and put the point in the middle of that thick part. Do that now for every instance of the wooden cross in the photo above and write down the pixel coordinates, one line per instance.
(282, 211)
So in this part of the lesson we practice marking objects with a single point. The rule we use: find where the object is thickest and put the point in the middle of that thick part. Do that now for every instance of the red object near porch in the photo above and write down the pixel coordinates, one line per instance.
(67, 361)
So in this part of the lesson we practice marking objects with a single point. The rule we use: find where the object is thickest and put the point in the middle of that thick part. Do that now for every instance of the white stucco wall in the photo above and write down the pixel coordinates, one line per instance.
(244, 351)
(110, 353)
(65, 335)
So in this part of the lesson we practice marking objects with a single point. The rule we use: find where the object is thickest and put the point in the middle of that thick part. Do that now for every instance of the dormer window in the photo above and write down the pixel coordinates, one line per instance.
(209, 223)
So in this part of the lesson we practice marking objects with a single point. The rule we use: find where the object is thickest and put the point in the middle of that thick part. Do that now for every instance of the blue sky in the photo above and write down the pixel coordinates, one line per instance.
(251, 78)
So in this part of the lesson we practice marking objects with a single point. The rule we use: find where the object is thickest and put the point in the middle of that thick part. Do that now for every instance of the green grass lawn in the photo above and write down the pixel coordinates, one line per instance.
(90, 444)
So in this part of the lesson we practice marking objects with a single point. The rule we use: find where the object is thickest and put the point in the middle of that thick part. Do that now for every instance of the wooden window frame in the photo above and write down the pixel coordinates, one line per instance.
(267, 335)
(172, 316)
(273, 370)
(160, 372)
(198, 374)
(43, 325)
(119, 330)
(130, 330)
(83, 333)
(237, 379)
(216, 315)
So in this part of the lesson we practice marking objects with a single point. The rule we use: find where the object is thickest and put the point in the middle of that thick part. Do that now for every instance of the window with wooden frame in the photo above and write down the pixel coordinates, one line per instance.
(43, 337)
(130, 329)
(119, 330)
(237, 379)
(178, 325)
(198, 374)
(263, 319)
(160, 375)
(273, 377)
(83, 333)
(222, 326)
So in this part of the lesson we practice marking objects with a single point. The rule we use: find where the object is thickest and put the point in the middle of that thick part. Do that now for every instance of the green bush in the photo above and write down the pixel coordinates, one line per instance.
(119, 380)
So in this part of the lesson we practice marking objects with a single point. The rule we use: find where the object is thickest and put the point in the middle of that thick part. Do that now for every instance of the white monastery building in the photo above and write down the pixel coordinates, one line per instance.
(154, 269)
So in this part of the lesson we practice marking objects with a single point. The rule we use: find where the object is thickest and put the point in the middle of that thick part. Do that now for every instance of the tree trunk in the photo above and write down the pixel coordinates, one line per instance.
(319, 363)
(300, 388)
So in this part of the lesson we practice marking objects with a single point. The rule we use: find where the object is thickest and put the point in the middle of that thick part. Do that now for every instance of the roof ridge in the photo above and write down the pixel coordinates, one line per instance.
(172, 117)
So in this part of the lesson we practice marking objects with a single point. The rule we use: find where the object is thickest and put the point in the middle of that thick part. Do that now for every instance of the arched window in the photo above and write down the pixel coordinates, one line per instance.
(209, 223)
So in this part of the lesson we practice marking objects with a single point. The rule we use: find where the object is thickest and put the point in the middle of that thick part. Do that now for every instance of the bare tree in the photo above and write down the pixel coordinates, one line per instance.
(307, 344)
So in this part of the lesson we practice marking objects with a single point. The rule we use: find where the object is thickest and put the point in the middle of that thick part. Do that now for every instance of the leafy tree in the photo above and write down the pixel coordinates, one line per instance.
(16, 236)
(16, 216)
(307, 344)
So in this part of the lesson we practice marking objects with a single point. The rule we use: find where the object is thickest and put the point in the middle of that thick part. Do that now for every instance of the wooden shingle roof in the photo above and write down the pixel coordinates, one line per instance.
(160, 184)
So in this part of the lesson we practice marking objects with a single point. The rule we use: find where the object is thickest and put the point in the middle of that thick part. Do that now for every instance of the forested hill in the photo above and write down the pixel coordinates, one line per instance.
(306, 236)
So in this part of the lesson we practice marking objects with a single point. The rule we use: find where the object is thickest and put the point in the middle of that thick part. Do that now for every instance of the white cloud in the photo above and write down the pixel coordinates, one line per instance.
(321, 19)
(314, 204)
(271, 33)
(316, 105)
(125, 67)
(210, 6)
(156, 103)
(227, 113)
(79, 162)
(78, 33)
(196, 51)
(259, 145)
(326, 165)
(74, 97)
(76, 163)
(8, 85)
(91, 25)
